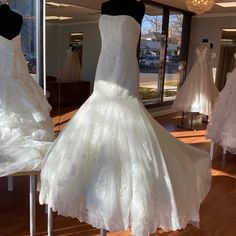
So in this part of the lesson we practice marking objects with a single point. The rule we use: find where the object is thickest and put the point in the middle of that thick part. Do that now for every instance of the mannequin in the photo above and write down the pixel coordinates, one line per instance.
(132, 8)
(10, 22)
(205, 40)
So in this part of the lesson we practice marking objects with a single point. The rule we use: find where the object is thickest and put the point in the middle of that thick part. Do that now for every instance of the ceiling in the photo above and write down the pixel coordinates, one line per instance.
(89, 10)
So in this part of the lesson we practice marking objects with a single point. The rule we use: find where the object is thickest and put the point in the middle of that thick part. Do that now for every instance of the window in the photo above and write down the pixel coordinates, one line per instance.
(162, 52)
(27, 8)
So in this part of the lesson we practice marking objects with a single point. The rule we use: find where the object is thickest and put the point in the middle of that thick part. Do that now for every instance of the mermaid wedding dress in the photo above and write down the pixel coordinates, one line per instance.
(113, 166)
(26, 130)
(198, 93)
(221, 127)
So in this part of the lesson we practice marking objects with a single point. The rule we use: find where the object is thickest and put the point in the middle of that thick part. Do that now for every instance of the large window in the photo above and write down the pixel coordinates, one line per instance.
(27, 8)
(161, 57)
(173, 68)
(149, 57)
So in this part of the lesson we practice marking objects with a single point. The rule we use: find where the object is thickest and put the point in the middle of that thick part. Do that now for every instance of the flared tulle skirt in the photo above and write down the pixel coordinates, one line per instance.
(114, 167)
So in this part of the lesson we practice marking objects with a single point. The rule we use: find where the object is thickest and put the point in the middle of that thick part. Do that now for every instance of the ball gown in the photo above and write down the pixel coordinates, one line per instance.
(26, 130)
(222, 124)
(113, 166)
(198, 93)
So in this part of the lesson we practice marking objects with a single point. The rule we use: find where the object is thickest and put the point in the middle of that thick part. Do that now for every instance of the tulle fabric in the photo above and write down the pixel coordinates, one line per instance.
(26, 130)
(221, 127)
(113, 166)
(198, 93)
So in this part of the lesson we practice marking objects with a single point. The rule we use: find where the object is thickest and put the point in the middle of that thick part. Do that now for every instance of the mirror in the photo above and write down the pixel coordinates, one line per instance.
(227, 61)
(72, 51)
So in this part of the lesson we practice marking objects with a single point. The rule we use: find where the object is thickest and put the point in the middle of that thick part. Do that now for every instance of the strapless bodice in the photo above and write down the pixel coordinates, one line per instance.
(117, 71)
(12, 59)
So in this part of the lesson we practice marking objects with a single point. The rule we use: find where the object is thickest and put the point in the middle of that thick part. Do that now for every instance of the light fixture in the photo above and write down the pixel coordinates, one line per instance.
(199, 6)
(58, 17)
(229, 30)
(226, 4)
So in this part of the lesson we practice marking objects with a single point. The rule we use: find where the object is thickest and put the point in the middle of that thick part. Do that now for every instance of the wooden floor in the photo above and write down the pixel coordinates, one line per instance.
(217, 213)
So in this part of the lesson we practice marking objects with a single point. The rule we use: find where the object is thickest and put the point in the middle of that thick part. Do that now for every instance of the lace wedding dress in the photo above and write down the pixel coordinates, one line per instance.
(25, 124)
(113, 166)
(198, 93)
(222, 124)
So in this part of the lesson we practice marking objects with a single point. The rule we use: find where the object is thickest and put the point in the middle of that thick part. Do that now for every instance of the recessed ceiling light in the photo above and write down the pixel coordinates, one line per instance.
(227, 40)
(60, 4)
(226, 4)
(76, 34)
(229, 30)
(58, 17)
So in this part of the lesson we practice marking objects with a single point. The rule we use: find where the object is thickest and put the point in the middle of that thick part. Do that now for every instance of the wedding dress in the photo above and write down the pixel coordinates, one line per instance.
(113, 166)
(198, 93)
(26, 131)
(222, 124)
(72, 69)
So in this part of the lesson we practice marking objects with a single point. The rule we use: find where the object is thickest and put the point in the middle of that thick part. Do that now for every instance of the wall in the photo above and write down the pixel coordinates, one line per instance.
(57, 41)
(210, 25)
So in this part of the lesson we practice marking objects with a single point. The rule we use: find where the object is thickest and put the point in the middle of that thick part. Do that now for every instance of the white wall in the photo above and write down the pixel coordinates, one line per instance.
(57, 41)
(210, 26)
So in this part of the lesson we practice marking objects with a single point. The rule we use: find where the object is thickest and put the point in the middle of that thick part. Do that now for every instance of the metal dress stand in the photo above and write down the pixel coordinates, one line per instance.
(212, 150)
(32, 193)
(181, 126)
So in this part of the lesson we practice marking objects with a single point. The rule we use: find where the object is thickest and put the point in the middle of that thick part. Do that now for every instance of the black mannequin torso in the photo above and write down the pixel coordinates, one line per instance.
(10, 22)
(205, 40)
(132, 8)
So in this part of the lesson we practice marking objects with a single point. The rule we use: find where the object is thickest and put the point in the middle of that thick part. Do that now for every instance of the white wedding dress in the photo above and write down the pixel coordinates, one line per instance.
(198, 93)
(222, 124)
(113, 166)
(26, 130)
(71, 71)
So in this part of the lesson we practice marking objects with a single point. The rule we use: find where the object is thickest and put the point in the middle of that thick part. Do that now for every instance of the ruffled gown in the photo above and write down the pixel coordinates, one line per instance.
(198, 93)
(222, 124)
(26, 130)
(113, 166)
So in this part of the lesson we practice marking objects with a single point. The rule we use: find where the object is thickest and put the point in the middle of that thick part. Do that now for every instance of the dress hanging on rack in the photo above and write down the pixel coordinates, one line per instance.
(222, 124)
(198, 93)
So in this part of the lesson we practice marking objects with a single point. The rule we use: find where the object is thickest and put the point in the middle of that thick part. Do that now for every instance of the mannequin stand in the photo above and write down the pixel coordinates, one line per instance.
(32, 193)
(212, 150)
(103, 232)
(181, 126)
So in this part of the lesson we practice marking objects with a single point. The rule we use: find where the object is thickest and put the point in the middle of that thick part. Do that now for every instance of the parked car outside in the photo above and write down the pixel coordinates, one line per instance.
(149, 61)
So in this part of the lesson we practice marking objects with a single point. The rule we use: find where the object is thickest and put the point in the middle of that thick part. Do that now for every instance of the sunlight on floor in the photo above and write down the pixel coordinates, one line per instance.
(191, 137)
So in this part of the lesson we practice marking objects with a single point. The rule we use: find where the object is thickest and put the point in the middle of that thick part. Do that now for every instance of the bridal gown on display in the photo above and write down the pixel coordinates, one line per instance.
(222, 124)
(113, 166)
(71, 71)
(198, 93)
(26, 130)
